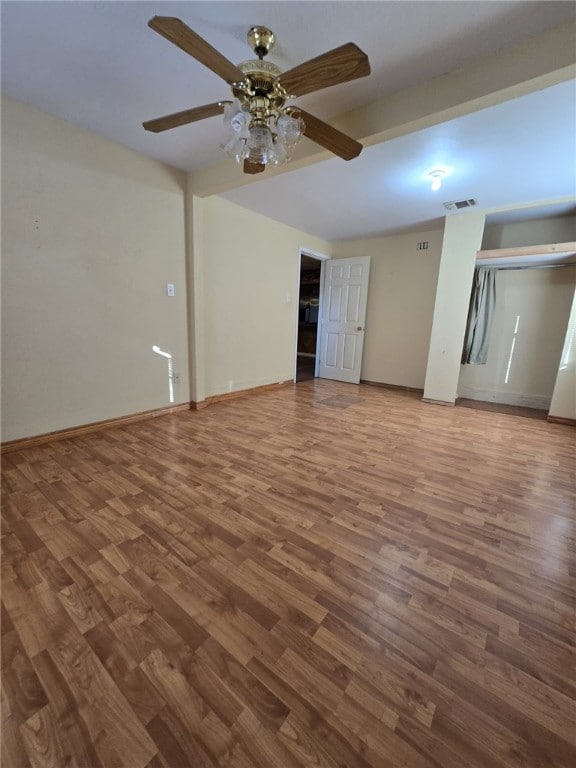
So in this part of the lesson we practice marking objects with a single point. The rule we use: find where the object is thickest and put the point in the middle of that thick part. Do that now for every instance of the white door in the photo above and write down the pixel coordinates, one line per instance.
(342, 321)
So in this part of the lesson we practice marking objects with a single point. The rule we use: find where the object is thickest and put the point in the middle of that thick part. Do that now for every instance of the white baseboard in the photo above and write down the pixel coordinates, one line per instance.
(506, 398)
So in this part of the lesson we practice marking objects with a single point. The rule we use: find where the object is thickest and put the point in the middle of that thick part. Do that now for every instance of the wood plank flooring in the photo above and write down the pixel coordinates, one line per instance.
(514, 410)
(325, 575)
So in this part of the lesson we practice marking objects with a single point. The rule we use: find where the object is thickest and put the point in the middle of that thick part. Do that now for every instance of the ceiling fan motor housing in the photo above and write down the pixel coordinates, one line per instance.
(261, 83)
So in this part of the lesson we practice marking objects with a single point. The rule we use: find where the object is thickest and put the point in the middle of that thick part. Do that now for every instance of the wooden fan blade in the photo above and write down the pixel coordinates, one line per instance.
(253, 167)
(185, 117)
(340, 65)
(329, 137)
(182, 36)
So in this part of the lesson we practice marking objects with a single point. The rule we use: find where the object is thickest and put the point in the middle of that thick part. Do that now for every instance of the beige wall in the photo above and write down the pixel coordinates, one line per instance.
(92, 232)
(530, 321)
(400, 304)
(559, 229)
(248, 268)
(563, 403)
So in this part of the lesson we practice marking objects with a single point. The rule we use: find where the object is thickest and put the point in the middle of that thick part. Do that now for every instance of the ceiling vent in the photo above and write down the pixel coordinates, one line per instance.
(456, 205)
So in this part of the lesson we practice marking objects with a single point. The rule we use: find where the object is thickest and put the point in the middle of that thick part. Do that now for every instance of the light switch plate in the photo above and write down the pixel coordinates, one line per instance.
(170, 289)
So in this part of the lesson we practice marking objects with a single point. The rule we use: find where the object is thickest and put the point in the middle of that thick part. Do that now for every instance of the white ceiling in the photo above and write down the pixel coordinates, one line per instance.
(502, 156)
(98, 65)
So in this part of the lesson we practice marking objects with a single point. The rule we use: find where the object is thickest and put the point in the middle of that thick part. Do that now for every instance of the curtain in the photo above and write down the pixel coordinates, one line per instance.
(480, 315)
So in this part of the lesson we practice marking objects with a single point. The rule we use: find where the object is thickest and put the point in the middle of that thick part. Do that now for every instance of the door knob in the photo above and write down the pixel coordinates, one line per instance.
(359, 328)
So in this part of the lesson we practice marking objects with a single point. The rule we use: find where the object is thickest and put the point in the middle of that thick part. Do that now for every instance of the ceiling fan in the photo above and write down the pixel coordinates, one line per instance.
(261, 127)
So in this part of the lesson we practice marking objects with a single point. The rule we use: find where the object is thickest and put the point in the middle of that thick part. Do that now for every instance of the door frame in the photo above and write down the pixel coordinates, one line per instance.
(322, 258)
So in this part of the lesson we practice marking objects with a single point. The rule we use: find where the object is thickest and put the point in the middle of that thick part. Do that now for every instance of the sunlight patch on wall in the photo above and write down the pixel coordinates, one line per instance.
(512, 350)
(168, 357)
(569, 345)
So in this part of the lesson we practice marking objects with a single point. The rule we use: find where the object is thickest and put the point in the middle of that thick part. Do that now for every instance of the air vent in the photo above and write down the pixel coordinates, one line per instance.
(456, 205)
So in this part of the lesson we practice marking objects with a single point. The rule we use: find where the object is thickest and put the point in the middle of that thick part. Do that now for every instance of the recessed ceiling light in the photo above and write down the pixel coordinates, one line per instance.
(437, 175)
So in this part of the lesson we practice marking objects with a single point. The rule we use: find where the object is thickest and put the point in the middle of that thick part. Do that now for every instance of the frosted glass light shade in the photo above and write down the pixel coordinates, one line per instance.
(261, 140)
(235, 147)
(259, 145)
(280, 155)
(290, 129)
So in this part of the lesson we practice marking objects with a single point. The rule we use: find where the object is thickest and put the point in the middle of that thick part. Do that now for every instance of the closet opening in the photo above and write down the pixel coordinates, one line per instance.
(534, 289)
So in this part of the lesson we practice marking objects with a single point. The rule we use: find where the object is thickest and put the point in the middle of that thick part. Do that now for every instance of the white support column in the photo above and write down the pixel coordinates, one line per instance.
(462, 238)
(195, 286)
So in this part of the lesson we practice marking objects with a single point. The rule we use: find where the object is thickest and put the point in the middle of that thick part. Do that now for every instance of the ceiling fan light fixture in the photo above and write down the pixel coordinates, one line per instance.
(291, 129)
(259, 145)
(260, 129)
(261, 140)
(236, 119)
(280, 151)
(236, 122)
(235, 148)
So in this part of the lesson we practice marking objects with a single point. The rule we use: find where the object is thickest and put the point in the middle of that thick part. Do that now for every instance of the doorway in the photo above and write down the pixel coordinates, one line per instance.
(308, 312)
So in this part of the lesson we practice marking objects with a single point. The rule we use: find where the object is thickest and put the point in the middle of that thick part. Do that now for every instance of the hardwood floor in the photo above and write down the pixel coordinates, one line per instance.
(514, 410)
(325, 575)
